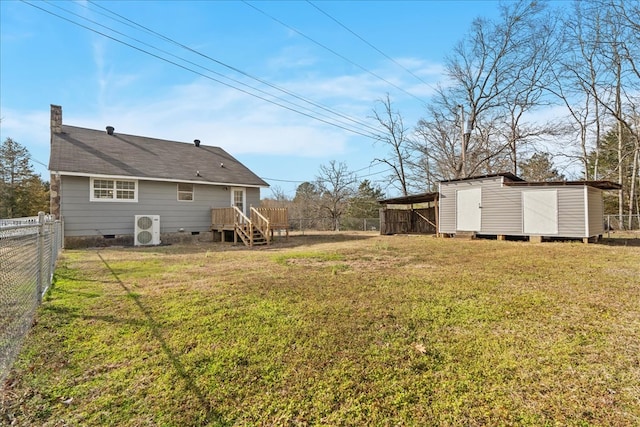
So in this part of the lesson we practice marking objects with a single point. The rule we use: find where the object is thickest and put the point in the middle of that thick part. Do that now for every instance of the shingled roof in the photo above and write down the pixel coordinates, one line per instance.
(80, 151)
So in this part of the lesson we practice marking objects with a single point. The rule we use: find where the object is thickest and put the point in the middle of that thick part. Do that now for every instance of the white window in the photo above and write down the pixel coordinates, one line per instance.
(113, 190)
(185, 192)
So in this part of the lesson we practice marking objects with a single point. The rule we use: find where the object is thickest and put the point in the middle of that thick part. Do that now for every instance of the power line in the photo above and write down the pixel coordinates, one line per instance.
(204, 75)
(187, 68)
(332, 51)
(134, 24)
(306, 180)
(369, 44)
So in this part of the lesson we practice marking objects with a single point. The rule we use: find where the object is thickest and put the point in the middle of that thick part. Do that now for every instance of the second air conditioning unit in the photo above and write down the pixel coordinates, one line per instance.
(147, 230)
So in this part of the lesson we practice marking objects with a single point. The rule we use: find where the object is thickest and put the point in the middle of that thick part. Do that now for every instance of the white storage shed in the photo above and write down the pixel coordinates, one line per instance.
(505, 205)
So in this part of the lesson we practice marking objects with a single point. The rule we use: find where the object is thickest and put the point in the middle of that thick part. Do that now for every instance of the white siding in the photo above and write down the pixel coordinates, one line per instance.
(571, 211)
(596, 212)
(502, 208)
(85, 218)
(501, 211)
(447, 208)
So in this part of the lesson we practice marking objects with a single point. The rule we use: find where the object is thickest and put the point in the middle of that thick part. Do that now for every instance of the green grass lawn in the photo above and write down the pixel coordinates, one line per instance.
(336, 330)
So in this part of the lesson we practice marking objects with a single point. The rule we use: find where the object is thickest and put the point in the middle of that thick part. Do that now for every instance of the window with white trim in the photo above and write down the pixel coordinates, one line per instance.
(185, 192)
(114, 190)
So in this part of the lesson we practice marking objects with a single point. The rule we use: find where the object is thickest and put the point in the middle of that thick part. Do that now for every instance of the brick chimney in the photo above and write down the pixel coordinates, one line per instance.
(56, 119)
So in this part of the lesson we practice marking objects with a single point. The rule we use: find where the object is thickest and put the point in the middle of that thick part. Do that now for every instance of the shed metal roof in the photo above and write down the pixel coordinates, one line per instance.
(82, 151)
(507, 175)
(516, 181)
(411, 199)
(602, 185)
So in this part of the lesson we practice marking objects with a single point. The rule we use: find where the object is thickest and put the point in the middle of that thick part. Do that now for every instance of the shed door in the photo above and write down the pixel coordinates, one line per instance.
(468, 208)
(540, 212)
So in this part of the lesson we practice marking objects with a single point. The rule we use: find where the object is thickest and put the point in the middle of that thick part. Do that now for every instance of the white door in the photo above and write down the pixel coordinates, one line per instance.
(540, 212)
(238, 199)
(468, 209)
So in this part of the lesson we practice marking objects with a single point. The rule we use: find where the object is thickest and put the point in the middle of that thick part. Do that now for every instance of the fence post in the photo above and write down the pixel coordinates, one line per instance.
(40, 275)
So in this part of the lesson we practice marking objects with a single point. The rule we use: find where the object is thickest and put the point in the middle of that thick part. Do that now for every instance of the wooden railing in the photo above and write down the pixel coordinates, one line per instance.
(243, 227)
(278, 217)
(223, 218)
(260, 223)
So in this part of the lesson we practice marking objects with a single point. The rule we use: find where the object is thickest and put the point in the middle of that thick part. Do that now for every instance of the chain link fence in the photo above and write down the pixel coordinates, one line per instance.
(29, 248)
(622, 222)
(327, 224)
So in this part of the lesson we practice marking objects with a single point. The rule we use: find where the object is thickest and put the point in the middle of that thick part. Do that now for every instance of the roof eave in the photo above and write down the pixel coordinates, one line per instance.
(147, 178)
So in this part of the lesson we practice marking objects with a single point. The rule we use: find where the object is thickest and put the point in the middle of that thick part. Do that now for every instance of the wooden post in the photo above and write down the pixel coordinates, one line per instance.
(40, 276)
(437, 207)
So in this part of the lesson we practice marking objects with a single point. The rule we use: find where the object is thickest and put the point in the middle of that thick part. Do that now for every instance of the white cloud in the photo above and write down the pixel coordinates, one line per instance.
(31, 130)
(218, 116)
(31, 127)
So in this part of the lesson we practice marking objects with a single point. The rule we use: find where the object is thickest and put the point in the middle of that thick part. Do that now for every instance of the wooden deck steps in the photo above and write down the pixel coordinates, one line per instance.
(255, 229)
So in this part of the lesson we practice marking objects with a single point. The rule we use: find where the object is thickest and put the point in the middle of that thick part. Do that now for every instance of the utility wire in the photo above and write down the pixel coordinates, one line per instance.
(207, 69)
(199, 73)
(358, 177)
(366, 125)
(369, 44)
(134, 24)
(332, 51)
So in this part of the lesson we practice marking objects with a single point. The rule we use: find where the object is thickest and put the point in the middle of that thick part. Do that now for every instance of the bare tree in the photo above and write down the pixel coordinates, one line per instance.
(608, 33)
(496, 75)
(396, 136)
(278, 199)
(336, 186)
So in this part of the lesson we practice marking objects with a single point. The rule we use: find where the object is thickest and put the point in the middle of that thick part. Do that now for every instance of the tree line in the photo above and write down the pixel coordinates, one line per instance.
(22, 192)
(334, 195)
(580, 63)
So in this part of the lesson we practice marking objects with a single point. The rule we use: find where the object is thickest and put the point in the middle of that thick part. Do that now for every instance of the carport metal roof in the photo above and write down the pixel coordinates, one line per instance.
(411, 199)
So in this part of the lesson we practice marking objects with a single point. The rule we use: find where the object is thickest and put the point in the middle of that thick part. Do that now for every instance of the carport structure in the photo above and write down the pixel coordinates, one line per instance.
(414, 214)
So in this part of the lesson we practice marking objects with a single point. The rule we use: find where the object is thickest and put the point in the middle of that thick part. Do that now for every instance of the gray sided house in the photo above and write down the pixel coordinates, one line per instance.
(102, 180)
(505, 205)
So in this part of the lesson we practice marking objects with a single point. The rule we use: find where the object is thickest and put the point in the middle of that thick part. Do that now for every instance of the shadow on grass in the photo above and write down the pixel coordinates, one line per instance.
(621, 241)
(213, 416)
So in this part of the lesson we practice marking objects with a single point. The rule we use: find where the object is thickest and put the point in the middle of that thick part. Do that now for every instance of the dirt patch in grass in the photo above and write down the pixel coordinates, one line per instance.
(336, 329)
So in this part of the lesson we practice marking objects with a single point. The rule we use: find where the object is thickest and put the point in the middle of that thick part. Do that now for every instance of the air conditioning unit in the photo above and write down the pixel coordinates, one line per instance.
(147, 230)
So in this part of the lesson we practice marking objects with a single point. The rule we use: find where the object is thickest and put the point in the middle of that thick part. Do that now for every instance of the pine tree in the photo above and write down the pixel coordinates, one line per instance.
(539, 167)
(364, 204)
(22, 192)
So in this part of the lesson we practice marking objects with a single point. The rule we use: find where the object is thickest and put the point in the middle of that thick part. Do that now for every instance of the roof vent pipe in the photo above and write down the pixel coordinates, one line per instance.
(196, 142)
(110, 130)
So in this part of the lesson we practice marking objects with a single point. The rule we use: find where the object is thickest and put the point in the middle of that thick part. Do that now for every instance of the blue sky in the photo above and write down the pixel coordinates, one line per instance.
(296, 46)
